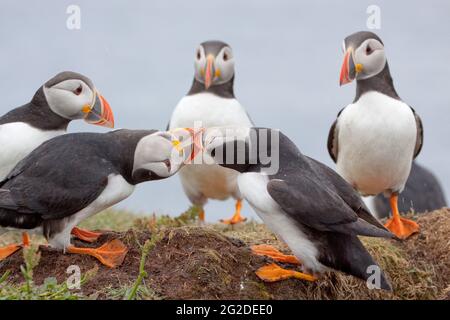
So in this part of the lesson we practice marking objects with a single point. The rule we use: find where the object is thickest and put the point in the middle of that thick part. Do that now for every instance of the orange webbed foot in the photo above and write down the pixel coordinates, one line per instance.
(111, 254)
(85, 235)
(237, 217)
(273, 253)
(403, 228)
(273, 273)
(5, 252)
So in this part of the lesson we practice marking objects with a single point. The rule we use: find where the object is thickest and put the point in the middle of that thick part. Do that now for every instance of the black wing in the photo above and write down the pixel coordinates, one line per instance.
(345, 191)
(318, 207)
(419, 139)
(55, 181)
(332, 143)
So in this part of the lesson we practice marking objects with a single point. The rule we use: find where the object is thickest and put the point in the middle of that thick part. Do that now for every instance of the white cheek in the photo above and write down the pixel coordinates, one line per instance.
(199, 65)
(372, 64)
(63, 103)
(226, 70)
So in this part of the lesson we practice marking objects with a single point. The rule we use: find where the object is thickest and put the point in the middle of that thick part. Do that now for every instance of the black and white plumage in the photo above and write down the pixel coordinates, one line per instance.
(74, 176)
(305, 203)
(67, 96)
(423, 193)
(210, 103)
(375, 139)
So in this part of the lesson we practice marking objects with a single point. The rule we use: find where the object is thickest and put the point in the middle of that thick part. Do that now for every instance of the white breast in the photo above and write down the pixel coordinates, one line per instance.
(116, 190)
(17, 140)
(253, 187)
(208, 110)
(211, 110)
(377, 136)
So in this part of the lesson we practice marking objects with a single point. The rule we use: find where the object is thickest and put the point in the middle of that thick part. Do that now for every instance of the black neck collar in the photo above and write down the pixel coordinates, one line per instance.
(382, 82)
(224, 90)
(37, 114)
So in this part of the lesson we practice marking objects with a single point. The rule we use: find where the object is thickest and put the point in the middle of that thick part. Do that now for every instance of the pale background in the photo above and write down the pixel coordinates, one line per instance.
(288, 55)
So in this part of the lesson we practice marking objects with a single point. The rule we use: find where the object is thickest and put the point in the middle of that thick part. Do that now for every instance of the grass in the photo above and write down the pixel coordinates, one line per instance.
(49, 290)
(213, 261)
(136, 289)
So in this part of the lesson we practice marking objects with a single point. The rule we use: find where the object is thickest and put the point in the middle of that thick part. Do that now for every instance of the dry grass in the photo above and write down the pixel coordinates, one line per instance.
(215, 262)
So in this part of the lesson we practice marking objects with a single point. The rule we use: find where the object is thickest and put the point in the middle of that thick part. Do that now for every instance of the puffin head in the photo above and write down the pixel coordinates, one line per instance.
(364, 57)
(161, 154)
(73, 96)
(214, 63)
(229, 147)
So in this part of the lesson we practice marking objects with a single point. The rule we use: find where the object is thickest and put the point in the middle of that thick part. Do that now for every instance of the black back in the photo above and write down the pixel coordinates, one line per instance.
(64, 175)
(37, 114)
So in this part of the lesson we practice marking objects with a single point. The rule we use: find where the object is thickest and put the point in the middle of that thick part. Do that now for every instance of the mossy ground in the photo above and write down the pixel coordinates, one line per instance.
(175, 258)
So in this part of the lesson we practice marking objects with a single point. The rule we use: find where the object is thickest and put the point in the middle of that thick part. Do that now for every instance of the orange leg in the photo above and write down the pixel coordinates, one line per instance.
(85, 235)
(201, 216)
(273, 273)
(236, 218)
(401, 227)
(111, 254)
(275, 254)
(25, 239)
(5, 252)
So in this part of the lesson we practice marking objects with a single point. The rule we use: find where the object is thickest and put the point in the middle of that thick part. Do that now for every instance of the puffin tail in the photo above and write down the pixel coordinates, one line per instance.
(347, 254)
(6, 201)
(10, 217)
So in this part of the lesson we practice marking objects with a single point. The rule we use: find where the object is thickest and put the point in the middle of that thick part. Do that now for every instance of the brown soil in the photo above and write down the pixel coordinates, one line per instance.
(202, 263)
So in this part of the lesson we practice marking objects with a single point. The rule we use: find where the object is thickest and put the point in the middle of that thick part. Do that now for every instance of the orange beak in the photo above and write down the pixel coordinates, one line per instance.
(197, 145)
(100, 113)
(348, 71)
(209, 72)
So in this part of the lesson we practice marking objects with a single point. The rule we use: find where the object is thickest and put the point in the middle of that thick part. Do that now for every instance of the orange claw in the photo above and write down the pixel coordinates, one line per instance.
(403, 228)
(5, 252)
(85, 235)
(273, 273)
(275, 254)
(111, 254)
(236, 218)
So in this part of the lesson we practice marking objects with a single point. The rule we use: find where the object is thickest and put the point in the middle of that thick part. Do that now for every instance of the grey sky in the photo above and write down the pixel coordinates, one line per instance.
(288, 55)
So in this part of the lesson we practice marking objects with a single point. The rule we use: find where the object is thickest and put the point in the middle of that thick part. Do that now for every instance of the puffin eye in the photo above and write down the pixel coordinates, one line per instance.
(78, 90)
(199, 55)
(225, 56)
(168, 164)
(368, 50)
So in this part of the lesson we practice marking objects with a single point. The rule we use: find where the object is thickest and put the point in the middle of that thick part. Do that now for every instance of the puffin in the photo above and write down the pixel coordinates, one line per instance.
(305, 203)
(375, 139)
(74, 176)
(67, 96)
(423, 193)
(211, 103)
